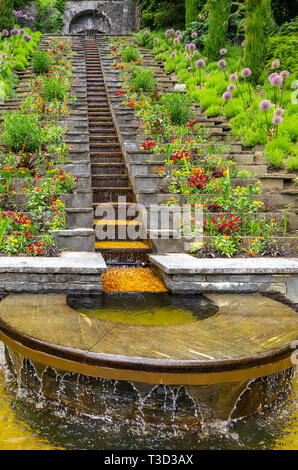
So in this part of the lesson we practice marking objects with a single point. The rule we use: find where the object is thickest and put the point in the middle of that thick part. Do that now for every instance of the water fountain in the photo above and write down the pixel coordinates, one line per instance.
(221, 357)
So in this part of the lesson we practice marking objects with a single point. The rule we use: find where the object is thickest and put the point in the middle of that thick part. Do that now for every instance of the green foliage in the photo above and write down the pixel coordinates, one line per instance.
(161, 14)
(48, 18)
(6, 15)
(60, 5)
(178, 107)
(258, 25)
(283, 10)
(41, 62)
(144, 80)
(201, 28)
(22, 131)
(277, 150)
(130, 54)
(191, 11)
(53, 89)
(284, 48)
(218, 18)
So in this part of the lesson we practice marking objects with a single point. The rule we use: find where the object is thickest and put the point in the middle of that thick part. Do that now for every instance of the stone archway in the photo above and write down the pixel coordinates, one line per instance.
(90, 19)
(113, 16)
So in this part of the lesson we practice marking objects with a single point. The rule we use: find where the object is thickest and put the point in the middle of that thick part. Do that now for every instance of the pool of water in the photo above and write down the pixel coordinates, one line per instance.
(145, 308)
(27, 423)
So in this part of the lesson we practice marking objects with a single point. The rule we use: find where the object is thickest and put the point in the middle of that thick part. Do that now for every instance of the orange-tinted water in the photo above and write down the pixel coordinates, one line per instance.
(131, 280)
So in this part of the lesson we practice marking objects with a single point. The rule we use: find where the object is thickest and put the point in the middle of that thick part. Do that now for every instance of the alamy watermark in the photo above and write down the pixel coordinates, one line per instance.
(133, 221)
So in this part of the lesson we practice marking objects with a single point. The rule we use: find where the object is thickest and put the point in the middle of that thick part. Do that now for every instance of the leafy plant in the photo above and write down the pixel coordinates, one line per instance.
(178, 107)
(144, 80)
(41, 62)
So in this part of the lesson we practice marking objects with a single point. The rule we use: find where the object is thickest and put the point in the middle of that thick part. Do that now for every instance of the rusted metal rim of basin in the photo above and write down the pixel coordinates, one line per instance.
(155, 371)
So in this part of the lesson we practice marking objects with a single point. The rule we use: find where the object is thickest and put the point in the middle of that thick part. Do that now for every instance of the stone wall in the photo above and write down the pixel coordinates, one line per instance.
(113, 17)
(185, 274)
(76, 273)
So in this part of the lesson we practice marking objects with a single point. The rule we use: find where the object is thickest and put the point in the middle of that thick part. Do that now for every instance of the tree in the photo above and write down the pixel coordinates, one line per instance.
(218, 19)
(6, 15)
(258, 25)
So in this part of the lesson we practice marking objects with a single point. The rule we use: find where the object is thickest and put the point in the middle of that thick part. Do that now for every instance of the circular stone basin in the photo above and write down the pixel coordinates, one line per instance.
(145, 308)
(228, 356)
(247, 336)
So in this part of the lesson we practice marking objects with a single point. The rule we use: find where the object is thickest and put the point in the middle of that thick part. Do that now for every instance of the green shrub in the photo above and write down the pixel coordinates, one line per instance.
(213, 110)
(218, 18)
(278, 149)
(178, 106)
(52, 90)
(284, 48)
(130, 54)
(41, 62)
(292, 163)
(144, 80)
(22, 131)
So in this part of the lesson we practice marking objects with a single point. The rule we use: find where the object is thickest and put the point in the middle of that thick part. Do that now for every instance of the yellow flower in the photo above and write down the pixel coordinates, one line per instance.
(226, 237)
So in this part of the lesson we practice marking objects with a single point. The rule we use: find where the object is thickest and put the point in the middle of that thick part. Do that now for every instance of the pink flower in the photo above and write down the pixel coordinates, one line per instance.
(276, 120)
(275, 64)
(200, 63)
(276, 80)
(233, 77)
(246, 72)
(176, 40)
(169, 32)
(194, 35)
(265, 105)
(155, 40)
(178, 32)
(284, 74)
(272, 75)
(190, 46)
(221, 63)
(223, 51)
(243, 44)
(227, 95)
(173, 55)
(231, 87)
(279, 112)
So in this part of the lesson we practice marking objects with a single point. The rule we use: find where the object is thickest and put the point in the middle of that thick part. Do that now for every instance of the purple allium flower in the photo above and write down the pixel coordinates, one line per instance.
(275, 64)
(265, 105)
(146, 33)
(155, 40)
(233, 77)
(279, 112)
(194, 35)
(243, 44)
(201, 17)
(276, 120)
(231, 87)
(272, 75)
(18, 13)
(14, 32)
(284, 74)
(22, 31)
(178, 32)
(31, 18)
(3, 55)
(189, 56)
(221, 63)
(223, 51)
(176, 40)
(173, 55)
(5, 32)
(27, 37)
(2, 62)
(276, 80)
(169, 32)
(227, 95)
(245, 72)
(200, 63)
(190, 46)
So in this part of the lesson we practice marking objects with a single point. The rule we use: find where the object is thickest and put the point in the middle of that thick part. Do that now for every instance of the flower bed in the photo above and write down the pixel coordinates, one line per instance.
(196, 167)
(265, 114)
(32, 160)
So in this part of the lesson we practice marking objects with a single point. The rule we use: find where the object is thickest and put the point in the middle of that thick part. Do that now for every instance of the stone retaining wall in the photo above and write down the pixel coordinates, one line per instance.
(76, 273)
(185, 274)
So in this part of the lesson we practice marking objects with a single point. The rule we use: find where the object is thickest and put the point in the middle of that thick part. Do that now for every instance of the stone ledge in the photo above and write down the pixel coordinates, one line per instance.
(180, 263)
(69, 262)
(185, 274)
